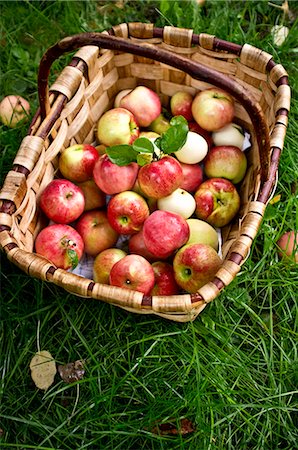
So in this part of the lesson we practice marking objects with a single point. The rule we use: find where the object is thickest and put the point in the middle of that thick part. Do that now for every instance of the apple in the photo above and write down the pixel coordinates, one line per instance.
(217, 201)
(164, 232)
(133, 272)
(137, 246)
(231, 134)
(192, 176)
(117, 126)
(180, 105)
(13, 110)
(104, 262)
(96, 231)
(62, 201)
(76, 163)
(194, 150)
(226, 161)
(202, 233)
(101, 149)
(193, 126)
(288, 245)
(119, 96)
(94, 197)
(213, 108)
(160, 124)
(143, 103)
(179, 202)
(160, 178)
(61, 244)
(195, 265)
(149, 135)
(111, 178)
(127, 212)
(165, 283)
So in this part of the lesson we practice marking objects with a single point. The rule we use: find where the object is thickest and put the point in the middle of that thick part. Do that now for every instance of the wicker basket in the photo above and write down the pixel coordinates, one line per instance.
(167, 60)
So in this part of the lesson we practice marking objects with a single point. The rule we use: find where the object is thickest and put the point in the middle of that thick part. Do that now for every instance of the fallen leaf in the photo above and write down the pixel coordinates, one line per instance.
(279, 34)
(185, 426)
(43, 369)
(275, 199)
(72, 372)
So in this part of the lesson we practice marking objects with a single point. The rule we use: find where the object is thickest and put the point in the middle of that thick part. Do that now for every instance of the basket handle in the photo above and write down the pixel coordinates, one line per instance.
(194, 69)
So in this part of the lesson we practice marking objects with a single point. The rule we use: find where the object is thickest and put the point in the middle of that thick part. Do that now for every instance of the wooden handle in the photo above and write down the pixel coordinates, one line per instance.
(184, 64)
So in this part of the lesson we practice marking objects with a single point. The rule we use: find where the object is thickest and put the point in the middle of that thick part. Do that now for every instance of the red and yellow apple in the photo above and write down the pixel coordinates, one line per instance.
(143, 103)
(94, 197)
(180, 105)
(165, 283)
(76, 163)
(104, 262)
(226, 161)
(192, 176)
(288, 246)
(117, 126)
(137, 246)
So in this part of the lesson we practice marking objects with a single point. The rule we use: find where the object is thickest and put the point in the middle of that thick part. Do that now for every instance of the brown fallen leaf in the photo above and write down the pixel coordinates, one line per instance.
(43, 369)
(72, 372)
(185, 427)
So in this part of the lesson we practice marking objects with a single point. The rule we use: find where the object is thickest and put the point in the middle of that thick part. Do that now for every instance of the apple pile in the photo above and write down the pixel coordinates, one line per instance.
(162, 181)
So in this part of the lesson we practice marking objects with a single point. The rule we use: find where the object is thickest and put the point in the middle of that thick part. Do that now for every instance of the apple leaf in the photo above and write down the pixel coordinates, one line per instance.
(174, 138)
(143, 145)
(122, 155)
(43, 369)
(144, 158)
(73, 257)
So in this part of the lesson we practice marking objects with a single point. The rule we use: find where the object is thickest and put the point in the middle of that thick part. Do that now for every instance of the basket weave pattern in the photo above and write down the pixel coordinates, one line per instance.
(86, 88)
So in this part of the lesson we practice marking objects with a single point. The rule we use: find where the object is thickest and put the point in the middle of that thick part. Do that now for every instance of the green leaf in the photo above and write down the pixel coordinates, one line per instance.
(174, 138)
(144, 158)
(179, 121)
(143, 145)
(73, 257)
(122, 155)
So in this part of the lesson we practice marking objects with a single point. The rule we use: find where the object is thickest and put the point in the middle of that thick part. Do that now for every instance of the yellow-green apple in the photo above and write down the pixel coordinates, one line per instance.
(195, 265)
(226, 161)
(101, 149)
(194, 150)
(117, 126)
(193, 126)
(133, 272)
(160, 178)
(94, 197)
(192, 176)
(179, 202)
(13, 110)
(127, 212)
(231, 134)
(165, 283)
(164, 232)
(217, 201)
(111, 178)
(76, 163)
(61, 244)
(119, 96)
(180, 105)
(213, 108)
(288, 245)
(104, 262)
(160, 124)
(152, 135)
(202, 233)
(137, 246)
(143, 103)
(96, 231)
(62, 201)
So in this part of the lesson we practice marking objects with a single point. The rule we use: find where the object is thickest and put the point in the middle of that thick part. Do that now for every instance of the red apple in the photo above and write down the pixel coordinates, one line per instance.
(217, 201)
(213, 108)
(13, 110)
(96, 231)
(192, 176)
(61, 244)
(195, 265)
(160, 178)
(165, 283)
(288, 245)
(133, 272)
(180, 105)
(76, 163)
(117, 126)
(94, 197)
(226, 161)
(62, 201)
(143, 103)
(137, 246)
(104, 262)
(193, 126)
(111, 178)
(127, 212)
(164, 232)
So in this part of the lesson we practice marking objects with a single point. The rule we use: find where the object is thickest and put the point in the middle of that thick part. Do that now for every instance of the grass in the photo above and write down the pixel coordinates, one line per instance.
(233, 372)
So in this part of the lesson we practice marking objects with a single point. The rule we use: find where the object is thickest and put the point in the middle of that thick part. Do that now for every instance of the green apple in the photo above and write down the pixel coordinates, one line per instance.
(202, 233)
